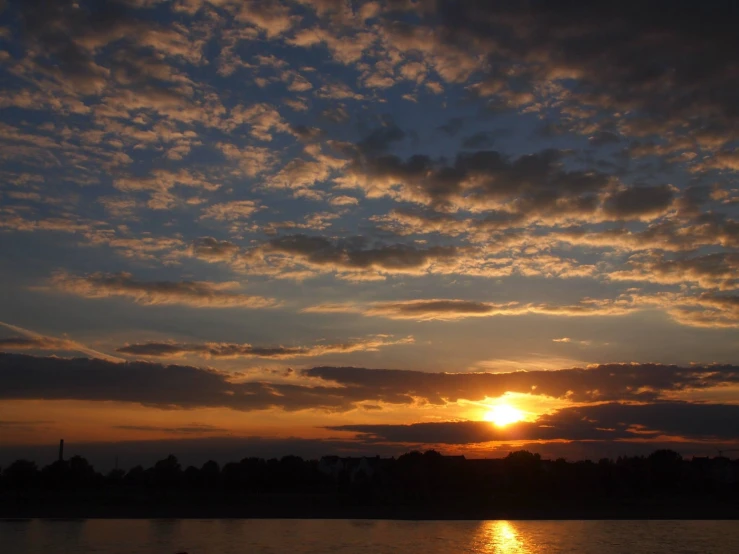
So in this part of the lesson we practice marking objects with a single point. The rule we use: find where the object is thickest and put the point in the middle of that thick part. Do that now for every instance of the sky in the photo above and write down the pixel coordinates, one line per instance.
(233, 227)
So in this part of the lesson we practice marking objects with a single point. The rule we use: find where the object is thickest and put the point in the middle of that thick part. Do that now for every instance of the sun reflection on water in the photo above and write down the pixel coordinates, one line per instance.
(501, 537)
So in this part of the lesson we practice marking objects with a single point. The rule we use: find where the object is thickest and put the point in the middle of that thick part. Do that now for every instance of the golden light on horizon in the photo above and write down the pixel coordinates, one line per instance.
(503, 414)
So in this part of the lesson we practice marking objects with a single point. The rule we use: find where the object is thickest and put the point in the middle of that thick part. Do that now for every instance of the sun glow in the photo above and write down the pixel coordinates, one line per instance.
(503, 415)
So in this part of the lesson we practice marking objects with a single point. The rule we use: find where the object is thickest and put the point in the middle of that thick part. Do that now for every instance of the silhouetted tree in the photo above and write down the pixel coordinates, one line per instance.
(21, 474)
(167, 472)
(210, 474)
(665, 468)
(136, 477)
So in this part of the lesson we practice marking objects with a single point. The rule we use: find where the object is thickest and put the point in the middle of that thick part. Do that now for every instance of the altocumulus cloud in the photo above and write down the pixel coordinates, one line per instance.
(201, 294)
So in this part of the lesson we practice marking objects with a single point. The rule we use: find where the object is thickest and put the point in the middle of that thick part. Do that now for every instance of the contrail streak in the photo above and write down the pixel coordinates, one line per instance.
(76, 346)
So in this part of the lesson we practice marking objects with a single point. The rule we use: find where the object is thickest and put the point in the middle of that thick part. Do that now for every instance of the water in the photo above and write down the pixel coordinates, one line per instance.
(239, 536)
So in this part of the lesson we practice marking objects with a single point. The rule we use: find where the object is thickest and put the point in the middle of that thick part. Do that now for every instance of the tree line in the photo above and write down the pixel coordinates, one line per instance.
(521, 480)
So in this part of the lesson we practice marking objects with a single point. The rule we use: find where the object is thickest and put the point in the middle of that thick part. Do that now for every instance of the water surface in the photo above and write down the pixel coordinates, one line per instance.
(239, 536)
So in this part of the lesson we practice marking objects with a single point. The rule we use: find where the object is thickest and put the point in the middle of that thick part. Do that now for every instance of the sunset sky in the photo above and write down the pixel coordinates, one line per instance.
(233, 227)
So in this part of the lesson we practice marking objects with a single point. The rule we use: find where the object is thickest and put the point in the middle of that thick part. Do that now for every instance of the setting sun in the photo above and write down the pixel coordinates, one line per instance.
(503, 415)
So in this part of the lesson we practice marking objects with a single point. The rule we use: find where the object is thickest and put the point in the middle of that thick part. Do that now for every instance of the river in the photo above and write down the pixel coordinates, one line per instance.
(243, 536)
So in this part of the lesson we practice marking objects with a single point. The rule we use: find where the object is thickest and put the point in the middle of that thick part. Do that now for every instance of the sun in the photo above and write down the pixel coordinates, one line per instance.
(503, 415)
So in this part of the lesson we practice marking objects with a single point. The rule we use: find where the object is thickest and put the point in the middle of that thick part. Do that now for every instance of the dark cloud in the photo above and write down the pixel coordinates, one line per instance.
(335, 388)
(212, 249)
(707, 309)
(612, 421)
(64, 39)
(305, 133)
(639, 201)
(530, 186)
(719, 270)
(639, 382)
(66, 33)
(29, 424)
(201, 294)
(602, 138)
(691, 200)
(231, 350)
(191, 429)
(355, 254)
(457, 307)
(707, 229)
(380, 139)
(451, 309)
(666, 63)
(165, 386)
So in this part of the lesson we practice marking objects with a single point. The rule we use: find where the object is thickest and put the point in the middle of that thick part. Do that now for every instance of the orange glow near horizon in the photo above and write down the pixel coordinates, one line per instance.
(504, 414)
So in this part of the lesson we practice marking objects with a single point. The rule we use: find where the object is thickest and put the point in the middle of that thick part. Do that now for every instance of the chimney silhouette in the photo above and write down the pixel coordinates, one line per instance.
(61, 450)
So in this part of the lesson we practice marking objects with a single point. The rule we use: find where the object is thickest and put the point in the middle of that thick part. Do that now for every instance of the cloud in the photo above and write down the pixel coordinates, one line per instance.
(639, 382)
(210, 249)
(200, 294)
(338, 389)
(145, 247)
(706, 230)
(380, 139)
(613, 421)
(30, 340)
(704, 310)
(264, 119)
(607, 50)
(230, 211)
(451, 309)
(191, 429)
(36, 343)
(252, 160)
(163, 386)
(343, 200)
(353, 255)
(531, 188)
(338, 91)
(273, 18)
(305, 133)
(16, 220)
(299, 174)
(117, 98)
(161, 184)
(232, 350)
(640, 202)
(719, 270)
